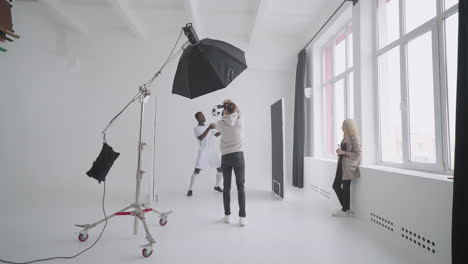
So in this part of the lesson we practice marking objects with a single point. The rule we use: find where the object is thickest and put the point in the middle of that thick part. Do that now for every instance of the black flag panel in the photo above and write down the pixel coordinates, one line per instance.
(460, 184)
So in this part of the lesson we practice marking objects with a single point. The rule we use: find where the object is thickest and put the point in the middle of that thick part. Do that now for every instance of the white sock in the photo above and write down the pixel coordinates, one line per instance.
(192, 180)
(219, 177)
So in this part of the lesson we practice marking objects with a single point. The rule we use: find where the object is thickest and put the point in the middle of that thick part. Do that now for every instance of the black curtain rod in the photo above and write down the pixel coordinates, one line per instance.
(328, 20)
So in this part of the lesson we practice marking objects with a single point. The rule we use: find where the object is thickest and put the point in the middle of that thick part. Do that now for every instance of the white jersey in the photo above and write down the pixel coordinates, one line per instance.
(209, 155)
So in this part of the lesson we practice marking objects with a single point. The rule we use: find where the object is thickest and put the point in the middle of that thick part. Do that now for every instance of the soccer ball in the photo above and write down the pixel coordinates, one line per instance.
(217, 110)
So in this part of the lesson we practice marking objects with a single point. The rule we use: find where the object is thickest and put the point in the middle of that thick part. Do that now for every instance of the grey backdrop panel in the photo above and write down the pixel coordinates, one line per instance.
(277, 148)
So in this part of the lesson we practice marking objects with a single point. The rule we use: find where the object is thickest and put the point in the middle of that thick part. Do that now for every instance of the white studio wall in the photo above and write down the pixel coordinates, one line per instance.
(60, 92)
(52, 134)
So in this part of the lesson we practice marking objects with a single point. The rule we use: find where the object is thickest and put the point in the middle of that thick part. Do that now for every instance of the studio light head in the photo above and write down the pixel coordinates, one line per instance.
(189, 31)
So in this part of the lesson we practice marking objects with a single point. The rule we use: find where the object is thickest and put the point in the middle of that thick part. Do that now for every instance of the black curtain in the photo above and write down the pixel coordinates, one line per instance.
(299, 126)
(460, 184)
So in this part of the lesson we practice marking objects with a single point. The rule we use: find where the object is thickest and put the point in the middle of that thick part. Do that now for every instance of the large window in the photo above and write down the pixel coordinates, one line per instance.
(420, 86)
(337, 85)
(390, 107)
(417, 68)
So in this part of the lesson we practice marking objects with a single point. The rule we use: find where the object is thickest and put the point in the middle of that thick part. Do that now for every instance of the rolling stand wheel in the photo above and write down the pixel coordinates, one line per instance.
(83, 237)
(162, 222)
(147, 252)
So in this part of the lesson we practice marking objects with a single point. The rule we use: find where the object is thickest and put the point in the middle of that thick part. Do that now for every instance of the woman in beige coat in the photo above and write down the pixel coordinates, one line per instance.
(349, 154)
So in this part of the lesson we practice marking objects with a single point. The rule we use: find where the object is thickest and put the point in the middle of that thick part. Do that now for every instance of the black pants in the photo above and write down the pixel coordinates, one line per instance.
(343, 193)
(229, 162)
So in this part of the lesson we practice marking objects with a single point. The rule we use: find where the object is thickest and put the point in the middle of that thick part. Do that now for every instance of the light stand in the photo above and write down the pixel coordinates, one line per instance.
(138, 209)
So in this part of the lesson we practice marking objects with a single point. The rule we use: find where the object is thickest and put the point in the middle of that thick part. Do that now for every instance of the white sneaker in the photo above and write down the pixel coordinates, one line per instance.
(227, 219)
(243, 221)
(341, 213)
(350, 212)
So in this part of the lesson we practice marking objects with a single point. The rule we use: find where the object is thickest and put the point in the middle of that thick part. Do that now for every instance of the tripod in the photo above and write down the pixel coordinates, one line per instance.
(138, 209)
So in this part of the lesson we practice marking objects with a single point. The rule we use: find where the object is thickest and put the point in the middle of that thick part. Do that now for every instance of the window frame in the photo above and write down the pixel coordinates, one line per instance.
(441, 114)
(347, 30)
(444, 80)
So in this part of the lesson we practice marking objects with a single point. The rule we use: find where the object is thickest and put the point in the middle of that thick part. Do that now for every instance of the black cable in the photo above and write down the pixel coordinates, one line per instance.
(169, 59)
(323, 26)
(116, 116)
(74, 256)
(172, 51)
(148, 84)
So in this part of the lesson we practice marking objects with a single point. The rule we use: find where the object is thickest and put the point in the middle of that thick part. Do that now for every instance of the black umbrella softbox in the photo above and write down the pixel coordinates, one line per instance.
(103, 163)
(207, 66)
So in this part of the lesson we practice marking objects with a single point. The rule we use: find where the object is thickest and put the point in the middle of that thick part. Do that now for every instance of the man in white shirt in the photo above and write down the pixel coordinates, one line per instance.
(232, 148)
(208, 153)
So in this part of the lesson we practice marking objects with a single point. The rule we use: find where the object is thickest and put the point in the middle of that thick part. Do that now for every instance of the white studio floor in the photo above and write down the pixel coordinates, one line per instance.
(297, 230)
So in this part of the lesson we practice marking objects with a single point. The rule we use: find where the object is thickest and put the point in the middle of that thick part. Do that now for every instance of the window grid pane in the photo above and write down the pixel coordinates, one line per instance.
(418, 12)
(329, 119)
(421, 99)
(350, 47)
(339, 109)
(450, 3)
(389, 21)
(340, 54)
(327, 63)
(390, 106)
(350, 96)
(451, 45)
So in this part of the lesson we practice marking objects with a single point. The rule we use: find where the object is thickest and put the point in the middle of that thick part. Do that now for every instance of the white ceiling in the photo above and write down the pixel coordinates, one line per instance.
(265, 27)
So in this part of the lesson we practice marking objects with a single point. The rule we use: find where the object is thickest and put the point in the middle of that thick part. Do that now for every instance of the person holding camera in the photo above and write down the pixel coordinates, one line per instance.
(208, 153)
(232, 159)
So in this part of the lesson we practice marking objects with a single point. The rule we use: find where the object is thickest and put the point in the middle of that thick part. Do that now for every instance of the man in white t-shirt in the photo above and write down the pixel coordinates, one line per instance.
(209, 155)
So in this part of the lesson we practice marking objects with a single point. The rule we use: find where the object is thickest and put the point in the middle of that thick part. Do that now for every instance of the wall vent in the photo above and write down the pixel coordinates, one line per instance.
(382, 222)
(315, 188)
(419, 240)
(325, 193)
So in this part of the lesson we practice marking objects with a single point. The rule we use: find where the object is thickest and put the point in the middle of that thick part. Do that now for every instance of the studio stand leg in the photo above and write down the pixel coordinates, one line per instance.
(138, 209)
